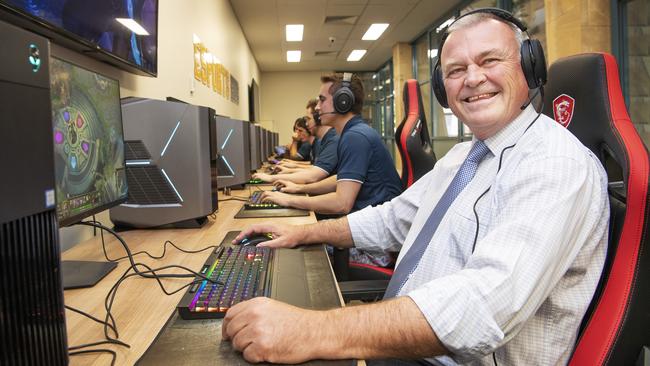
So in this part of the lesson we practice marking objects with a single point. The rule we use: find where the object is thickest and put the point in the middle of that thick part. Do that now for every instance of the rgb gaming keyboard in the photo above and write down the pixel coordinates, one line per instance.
(243, 272)
(255, 202)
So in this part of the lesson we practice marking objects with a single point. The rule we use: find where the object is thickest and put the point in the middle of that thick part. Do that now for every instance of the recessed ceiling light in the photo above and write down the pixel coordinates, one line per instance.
(133, 26)
(293, 56)
(374, 31)
(356, 55)
(294, 32)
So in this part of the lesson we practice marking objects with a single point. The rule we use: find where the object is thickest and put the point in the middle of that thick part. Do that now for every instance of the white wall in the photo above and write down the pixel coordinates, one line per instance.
(217, 26)
(283, 99)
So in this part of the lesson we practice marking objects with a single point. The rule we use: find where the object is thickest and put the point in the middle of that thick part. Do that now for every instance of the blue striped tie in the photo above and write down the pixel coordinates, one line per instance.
(411, 259)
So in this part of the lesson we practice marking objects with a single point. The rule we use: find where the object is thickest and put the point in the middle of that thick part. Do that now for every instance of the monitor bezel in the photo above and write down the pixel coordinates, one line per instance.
(71, 220)
(69, 39)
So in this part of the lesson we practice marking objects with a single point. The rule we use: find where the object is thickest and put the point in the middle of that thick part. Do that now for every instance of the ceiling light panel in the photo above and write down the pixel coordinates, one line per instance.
(356, 55)
(374, 31)
(294, 32)
(293, 56)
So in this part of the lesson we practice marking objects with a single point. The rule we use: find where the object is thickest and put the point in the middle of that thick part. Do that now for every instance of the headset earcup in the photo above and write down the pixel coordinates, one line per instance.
(438, 86)
(343, 100)
(533, 63)
(540, 61)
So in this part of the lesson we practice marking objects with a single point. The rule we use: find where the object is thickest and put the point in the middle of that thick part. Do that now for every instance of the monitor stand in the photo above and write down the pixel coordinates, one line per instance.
(80, 274)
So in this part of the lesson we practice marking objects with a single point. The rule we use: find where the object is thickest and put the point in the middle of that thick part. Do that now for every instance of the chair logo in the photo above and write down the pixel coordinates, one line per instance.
(563, 107)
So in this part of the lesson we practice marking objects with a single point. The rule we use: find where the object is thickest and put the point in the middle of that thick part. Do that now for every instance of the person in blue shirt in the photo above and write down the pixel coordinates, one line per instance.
(325, 155)
(366, 174)
(301, 151)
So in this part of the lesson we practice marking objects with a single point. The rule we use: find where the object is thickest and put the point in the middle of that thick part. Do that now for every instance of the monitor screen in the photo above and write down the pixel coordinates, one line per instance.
(110, 26)
(88, 141)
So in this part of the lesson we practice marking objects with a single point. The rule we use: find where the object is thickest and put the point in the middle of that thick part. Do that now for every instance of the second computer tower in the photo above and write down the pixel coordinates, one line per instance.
(234, 162)
(170, 153)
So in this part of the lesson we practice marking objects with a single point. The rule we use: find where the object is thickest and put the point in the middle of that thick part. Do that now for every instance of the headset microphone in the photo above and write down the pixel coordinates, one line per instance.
(530, 100)
(322, 113)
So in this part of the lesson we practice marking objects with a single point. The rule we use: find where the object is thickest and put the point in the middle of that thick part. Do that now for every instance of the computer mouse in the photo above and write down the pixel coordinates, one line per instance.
(275, 189)
(255, 239)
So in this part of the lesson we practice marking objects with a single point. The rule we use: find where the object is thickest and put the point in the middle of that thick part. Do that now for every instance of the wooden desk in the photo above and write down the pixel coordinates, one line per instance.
(141, 309)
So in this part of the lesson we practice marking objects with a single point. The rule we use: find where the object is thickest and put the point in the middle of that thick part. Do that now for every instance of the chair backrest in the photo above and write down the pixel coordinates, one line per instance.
(412, 137)
(584, 94)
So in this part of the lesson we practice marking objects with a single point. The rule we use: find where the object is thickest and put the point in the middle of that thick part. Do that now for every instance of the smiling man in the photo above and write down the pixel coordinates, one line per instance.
(502, 243)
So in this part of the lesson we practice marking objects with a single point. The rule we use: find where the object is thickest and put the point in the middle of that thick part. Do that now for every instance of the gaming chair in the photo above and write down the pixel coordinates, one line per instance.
(584, 95)
(412, 137)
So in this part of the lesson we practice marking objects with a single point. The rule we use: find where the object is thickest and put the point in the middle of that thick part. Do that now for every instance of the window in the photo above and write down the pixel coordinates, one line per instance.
(379, 104)
(636, 64)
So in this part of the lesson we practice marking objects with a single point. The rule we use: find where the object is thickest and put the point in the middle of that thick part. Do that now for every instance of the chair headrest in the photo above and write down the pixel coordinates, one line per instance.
(411, 97)
(584, 95)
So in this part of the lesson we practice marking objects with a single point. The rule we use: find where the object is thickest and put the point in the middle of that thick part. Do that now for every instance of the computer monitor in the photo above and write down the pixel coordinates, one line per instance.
(89, 165)
(264, 148)
(233, 149)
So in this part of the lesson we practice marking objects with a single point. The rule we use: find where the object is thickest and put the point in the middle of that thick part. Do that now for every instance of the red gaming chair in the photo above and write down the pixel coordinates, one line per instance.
(584, 94)
(412, 137)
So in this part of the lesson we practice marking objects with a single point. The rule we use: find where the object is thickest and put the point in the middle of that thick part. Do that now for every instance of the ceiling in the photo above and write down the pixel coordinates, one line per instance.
(263, 23)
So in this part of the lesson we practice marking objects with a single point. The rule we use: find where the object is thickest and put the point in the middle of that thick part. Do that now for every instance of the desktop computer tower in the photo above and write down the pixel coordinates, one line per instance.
(171, 168)
(256, 161)
(32, 321)
(234, 161)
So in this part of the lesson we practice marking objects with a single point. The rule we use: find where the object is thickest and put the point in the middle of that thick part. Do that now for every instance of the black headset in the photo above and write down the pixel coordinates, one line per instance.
(344, 97)
(533, 62)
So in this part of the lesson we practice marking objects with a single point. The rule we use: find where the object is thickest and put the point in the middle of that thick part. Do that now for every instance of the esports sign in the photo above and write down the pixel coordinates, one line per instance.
(563, 107)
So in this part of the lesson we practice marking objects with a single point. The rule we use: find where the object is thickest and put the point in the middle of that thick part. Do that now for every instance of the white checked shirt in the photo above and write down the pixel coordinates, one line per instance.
(539, 254)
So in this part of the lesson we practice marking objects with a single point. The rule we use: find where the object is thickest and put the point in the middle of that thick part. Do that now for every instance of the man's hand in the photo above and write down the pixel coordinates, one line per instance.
(286, 186)
(289, 336)
(288, 164)
(284, 236)
(263, 176)
(279, 169)
(279, 198)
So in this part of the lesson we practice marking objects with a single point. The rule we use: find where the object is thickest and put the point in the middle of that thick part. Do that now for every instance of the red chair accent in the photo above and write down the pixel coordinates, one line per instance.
(584, 94)
(412, 137)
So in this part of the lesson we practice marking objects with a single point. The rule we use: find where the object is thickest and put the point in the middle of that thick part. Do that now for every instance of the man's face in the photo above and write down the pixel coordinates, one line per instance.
(483, 78)
(325, 104)
(303, 135)
(311, 123)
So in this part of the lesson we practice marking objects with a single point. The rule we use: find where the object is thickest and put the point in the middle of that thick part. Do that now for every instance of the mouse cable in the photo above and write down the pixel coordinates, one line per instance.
(153, 256)
(147, 253)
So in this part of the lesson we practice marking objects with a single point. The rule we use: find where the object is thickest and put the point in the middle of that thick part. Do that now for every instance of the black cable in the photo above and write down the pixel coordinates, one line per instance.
(91, 318)
(99, 350)
(110, 297)
(191, 273)
(234, 199)
(152, 256)
(120, 343)
(499, 168)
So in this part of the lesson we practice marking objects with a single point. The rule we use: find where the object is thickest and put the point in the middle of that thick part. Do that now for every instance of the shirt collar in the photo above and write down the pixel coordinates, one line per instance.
(352, 122)
(511, 133)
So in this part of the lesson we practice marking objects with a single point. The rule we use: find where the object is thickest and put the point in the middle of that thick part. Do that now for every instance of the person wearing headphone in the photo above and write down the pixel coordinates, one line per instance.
(502, 242)
(323, 153)
(365, 171)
